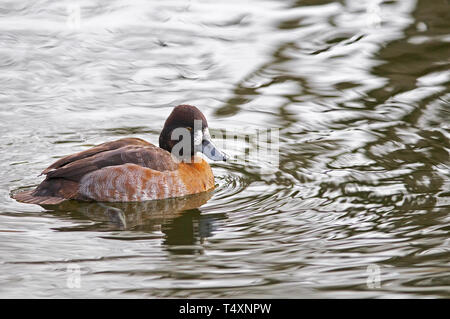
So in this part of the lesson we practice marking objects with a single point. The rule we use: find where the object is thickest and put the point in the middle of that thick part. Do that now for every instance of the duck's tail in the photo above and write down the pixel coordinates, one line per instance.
(29, 197)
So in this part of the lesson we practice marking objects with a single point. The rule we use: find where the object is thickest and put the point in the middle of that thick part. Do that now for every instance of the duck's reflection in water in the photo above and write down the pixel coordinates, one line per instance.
(179, 219)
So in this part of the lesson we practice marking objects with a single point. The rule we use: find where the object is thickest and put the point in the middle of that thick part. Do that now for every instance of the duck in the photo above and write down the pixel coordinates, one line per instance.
(134, 170)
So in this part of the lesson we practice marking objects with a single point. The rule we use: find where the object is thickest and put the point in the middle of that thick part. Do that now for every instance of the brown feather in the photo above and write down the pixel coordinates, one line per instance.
(108, 146)
(148, 156)
(63, 176)
(29, 198)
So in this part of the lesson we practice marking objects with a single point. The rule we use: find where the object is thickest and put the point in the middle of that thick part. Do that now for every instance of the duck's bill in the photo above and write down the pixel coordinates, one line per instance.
(211, 151)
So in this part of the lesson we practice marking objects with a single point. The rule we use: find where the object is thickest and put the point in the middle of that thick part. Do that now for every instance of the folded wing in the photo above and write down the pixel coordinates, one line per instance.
(63, 176)
(147, 155)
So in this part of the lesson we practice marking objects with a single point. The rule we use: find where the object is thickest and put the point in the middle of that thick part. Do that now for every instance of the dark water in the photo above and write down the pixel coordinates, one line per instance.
(359, 206)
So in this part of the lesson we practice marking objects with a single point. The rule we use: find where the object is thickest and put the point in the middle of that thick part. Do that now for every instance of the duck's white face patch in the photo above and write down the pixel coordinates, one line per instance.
(206, 135)
(198, 137)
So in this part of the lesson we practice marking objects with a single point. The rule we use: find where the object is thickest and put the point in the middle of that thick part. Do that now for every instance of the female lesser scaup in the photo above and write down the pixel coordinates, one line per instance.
(132, 169)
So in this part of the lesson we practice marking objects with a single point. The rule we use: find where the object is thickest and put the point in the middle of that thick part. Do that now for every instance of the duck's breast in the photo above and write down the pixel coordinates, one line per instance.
(197, 177)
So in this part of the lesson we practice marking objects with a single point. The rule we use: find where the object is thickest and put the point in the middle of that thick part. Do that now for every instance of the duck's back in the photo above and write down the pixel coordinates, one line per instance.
(122, 170)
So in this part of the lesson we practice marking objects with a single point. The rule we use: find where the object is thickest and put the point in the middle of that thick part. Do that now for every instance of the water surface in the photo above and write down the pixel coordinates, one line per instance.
(359, 206)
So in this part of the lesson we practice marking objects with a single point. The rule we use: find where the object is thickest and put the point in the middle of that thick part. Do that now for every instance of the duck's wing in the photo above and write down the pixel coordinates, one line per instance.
(108, 146)
(64, 176)
(134, 151)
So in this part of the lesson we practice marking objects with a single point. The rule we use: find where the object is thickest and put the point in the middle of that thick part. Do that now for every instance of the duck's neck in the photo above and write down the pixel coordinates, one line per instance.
(195, 159)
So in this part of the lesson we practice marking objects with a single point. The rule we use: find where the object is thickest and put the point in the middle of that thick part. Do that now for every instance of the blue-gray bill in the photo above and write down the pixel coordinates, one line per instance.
(212, 152)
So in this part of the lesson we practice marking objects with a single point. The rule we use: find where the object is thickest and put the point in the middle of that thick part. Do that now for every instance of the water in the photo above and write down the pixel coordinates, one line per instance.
(359, 90)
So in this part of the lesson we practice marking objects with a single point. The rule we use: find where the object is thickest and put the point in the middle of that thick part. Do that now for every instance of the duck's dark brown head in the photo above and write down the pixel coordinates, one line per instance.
(186, 132)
